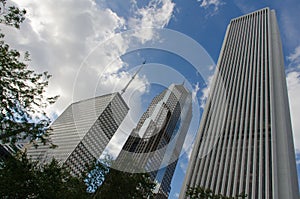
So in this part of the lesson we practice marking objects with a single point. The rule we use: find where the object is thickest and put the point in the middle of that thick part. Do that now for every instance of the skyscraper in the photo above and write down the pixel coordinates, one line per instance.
(8, 149)
(155, 144)
(83, 130)
(245, 143)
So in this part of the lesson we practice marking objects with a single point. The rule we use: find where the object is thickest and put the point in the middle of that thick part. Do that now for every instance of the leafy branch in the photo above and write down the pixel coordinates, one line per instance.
(23, 101)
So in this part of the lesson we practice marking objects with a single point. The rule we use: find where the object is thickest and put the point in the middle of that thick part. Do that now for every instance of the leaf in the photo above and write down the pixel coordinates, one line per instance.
(22, 90)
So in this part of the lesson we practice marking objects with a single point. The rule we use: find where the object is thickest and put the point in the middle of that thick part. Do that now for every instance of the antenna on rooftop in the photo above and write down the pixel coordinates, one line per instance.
(183, 82)
(132, 78)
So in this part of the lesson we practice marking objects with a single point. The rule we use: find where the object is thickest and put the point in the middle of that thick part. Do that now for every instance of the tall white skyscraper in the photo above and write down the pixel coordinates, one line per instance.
(155, 144)
(82, 131)
(245, 140)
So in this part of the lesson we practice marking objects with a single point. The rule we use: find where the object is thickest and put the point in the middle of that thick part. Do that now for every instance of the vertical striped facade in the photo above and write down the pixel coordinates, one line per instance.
(245, 143)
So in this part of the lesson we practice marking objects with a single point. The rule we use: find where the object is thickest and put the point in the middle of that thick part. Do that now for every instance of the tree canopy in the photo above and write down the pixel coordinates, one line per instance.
(123, 185)
(12, 16)
(23, 100)
(22, 178)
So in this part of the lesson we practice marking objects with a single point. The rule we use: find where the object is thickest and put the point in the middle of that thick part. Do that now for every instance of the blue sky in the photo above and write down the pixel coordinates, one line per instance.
(93, 47)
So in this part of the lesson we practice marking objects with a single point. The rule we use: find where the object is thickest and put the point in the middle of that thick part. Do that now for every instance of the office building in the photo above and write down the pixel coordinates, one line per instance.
(8, 149)
(245, 140)
(154, 145)
(82, 132)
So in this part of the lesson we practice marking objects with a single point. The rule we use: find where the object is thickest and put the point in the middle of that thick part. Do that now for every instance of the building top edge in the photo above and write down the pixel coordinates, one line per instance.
(249, 14)
(106, 95)
(122, 99)
(181, 85)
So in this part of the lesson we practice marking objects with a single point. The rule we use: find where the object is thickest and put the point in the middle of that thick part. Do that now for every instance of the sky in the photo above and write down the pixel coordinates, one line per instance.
(93, 47)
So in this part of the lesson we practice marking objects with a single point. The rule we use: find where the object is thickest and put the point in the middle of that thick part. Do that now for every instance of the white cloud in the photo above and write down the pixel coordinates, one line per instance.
(156, 14)
(59, 35)
(205, 91)
(64, 37)
(195, 91)
(293, 83)
(79, 43)
(183, 165)
(295, 57)
(211, 3)
(298, 162)
(189, 142)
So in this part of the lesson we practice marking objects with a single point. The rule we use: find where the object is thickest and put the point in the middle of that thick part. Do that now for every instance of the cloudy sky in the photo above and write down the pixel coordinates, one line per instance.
(92, 47)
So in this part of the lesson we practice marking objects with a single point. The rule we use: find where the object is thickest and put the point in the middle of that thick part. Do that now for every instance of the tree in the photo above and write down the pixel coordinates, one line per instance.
(22, 91)
(202, 193)
(12, 16)
(122, 185)
(22, 178)
(106, 182)
(96, 173)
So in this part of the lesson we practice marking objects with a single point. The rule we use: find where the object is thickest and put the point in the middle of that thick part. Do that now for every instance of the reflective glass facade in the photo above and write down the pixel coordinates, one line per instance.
(83, 131)
(155, 144)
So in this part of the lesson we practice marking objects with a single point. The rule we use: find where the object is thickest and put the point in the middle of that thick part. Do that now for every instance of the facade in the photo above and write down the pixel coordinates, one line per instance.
(7, 150)
(82, 131)
(245, 143)
(155, 144)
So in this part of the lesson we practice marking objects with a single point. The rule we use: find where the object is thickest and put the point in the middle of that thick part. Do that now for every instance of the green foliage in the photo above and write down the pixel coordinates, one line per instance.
(22, 178)
(202, 193)
(12, 15)
(122, 185)
(96, 173)
(22, 90)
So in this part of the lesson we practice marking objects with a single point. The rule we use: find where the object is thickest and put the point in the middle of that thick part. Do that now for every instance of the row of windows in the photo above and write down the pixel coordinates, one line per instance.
(244, 57)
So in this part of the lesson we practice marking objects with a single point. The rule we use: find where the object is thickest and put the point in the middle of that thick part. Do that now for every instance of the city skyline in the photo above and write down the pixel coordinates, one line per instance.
(61, 36)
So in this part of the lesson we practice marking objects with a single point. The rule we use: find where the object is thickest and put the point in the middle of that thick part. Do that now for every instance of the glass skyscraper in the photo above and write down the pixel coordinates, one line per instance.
(245, 141)
(82, 131)
(154, 145)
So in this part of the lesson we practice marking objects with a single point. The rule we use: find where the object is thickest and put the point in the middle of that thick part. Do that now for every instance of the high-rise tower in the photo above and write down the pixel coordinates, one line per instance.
(82, 131)
(245, 141)
(155, 144)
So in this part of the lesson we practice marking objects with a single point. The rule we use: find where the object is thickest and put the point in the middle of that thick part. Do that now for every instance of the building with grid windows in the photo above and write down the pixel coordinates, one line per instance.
(154, 145)
(82, 131)
(245, 140)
